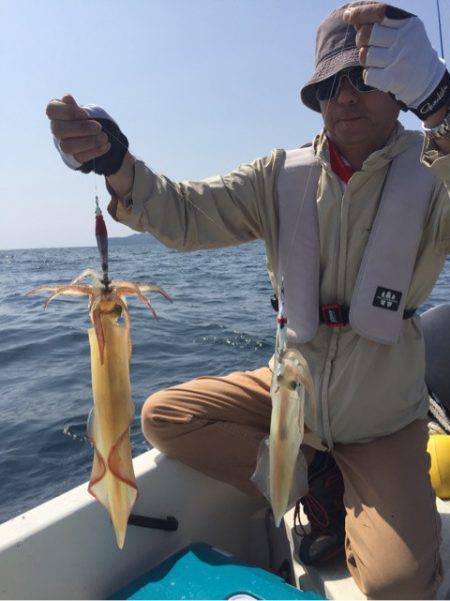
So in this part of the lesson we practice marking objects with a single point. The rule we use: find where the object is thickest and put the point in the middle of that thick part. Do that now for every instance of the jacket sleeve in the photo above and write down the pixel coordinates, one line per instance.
(192, 215)
(439, 220)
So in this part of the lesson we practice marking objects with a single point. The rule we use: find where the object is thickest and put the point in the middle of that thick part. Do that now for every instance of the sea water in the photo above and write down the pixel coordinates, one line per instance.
(221, 320)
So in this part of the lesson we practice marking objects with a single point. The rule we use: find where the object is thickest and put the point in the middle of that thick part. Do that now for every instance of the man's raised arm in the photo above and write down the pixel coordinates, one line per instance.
(215, 212)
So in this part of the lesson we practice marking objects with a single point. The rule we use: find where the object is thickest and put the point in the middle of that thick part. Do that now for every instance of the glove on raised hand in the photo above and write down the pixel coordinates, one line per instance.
(111, 161)
(402, 61)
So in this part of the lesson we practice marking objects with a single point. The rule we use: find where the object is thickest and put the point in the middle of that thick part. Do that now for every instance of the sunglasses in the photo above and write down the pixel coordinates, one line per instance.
(329, 88)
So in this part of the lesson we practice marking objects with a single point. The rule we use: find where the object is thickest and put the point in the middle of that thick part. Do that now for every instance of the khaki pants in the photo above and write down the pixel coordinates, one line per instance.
(215, 425)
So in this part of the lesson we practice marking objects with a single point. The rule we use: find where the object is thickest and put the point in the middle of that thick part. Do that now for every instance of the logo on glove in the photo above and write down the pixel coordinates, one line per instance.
(428, 107)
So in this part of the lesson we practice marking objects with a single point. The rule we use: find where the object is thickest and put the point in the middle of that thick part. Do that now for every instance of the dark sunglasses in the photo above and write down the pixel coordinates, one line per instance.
(329, 88)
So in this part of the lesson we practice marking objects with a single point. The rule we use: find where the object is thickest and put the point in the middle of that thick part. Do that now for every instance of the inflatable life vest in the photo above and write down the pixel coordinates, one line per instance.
(378, 302)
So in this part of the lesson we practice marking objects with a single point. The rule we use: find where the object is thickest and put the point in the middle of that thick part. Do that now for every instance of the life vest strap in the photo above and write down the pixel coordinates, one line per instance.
(336, 316)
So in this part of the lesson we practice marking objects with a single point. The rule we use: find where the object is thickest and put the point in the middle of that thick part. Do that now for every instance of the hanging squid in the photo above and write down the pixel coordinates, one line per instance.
(112, 481)
(291, 381)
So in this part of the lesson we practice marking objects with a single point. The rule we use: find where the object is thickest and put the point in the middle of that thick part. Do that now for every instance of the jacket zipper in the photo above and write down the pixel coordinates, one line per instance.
(333, 340)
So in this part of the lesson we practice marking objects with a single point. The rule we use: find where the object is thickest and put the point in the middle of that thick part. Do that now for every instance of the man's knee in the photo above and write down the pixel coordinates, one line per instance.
(410, 585)
(159, 419)
(387, 575)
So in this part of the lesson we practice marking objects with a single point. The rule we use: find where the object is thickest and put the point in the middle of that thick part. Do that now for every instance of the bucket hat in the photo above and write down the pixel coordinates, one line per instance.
(335, 50)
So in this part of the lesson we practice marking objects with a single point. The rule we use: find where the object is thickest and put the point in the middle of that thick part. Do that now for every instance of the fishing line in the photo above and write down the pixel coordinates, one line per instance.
(301, 205)
(101, 236)
(297, 220)
(281, 340)
(170, 183)
(440, 27)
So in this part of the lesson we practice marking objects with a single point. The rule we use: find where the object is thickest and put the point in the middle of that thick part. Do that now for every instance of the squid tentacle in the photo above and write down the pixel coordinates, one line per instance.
(96, 317)
(154, 288)
(146, 287)
(42, 289)
(126, 315)
(88, 273)
(69, 291)
(133, 289)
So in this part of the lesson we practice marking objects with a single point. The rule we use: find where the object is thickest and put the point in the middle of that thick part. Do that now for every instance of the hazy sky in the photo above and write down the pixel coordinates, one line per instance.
(198, 86)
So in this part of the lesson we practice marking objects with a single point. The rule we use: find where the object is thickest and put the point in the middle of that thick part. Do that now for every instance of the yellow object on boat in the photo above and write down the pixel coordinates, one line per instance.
(112, 482)
(439, 450)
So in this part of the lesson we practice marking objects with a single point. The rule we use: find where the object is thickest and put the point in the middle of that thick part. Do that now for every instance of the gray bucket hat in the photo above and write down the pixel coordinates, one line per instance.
(335, 50)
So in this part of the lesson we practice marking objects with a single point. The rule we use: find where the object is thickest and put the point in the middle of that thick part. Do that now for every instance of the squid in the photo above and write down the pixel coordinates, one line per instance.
(291, 381)
(112, 482)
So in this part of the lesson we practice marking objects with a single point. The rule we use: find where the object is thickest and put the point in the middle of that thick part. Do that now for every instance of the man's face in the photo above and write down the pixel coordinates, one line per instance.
(354, 117)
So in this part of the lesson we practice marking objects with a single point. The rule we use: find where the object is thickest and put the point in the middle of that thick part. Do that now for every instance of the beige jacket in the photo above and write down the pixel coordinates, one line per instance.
(365, 390)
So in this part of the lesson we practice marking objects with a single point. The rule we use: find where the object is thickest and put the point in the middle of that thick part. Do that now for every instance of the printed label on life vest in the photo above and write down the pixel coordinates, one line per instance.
(387, 299)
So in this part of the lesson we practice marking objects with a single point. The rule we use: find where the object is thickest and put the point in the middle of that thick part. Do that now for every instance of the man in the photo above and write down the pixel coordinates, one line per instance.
(369, 371)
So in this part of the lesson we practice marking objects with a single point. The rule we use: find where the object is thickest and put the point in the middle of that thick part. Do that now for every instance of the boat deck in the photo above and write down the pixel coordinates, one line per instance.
(335, 582)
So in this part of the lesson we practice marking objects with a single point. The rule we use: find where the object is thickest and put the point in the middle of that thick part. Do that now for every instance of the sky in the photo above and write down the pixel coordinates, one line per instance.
(198, 87)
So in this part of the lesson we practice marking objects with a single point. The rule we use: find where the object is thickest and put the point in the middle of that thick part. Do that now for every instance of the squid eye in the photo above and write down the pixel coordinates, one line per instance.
(293, 385)
(90, 425)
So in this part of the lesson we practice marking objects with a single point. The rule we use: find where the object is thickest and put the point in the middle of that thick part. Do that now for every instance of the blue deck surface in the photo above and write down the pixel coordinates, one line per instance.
(202, 572)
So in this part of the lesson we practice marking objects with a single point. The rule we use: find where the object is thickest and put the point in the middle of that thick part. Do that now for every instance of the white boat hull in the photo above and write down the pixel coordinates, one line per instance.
(65, 548)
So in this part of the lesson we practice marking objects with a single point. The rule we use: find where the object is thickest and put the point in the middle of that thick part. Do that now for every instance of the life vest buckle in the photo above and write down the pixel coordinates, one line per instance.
(334, 316)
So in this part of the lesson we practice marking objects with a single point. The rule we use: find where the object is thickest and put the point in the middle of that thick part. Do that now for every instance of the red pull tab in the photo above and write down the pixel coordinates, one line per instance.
(101, 233)
(100, 226)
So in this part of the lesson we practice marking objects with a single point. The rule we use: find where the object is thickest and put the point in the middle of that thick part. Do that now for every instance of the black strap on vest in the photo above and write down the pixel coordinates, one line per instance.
(336, 316)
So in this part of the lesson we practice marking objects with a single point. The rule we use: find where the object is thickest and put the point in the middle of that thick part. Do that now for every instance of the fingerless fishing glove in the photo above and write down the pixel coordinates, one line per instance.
(111, 161)
(402, 61)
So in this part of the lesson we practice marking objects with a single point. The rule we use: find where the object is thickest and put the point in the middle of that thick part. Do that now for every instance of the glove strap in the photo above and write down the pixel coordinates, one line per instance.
(111, 162)
(438, 99)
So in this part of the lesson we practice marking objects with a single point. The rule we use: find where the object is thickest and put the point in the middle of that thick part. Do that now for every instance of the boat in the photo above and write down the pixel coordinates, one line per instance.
(65, 548)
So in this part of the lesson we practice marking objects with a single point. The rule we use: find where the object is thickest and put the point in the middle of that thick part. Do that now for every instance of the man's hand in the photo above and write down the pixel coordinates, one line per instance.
(76, 134)
(82, 145)
(398, 57)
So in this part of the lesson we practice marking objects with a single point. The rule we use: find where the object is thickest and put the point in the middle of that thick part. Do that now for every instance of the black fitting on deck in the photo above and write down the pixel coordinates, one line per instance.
(169, 524)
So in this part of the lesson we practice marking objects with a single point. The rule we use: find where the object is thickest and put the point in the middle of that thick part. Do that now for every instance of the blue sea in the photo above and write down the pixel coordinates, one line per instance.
(221, 320)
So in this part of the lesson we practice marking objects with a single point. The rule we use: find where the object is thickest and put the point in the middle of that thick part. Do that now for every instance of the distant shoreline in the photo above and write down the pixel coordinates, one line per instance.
(142, 239)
